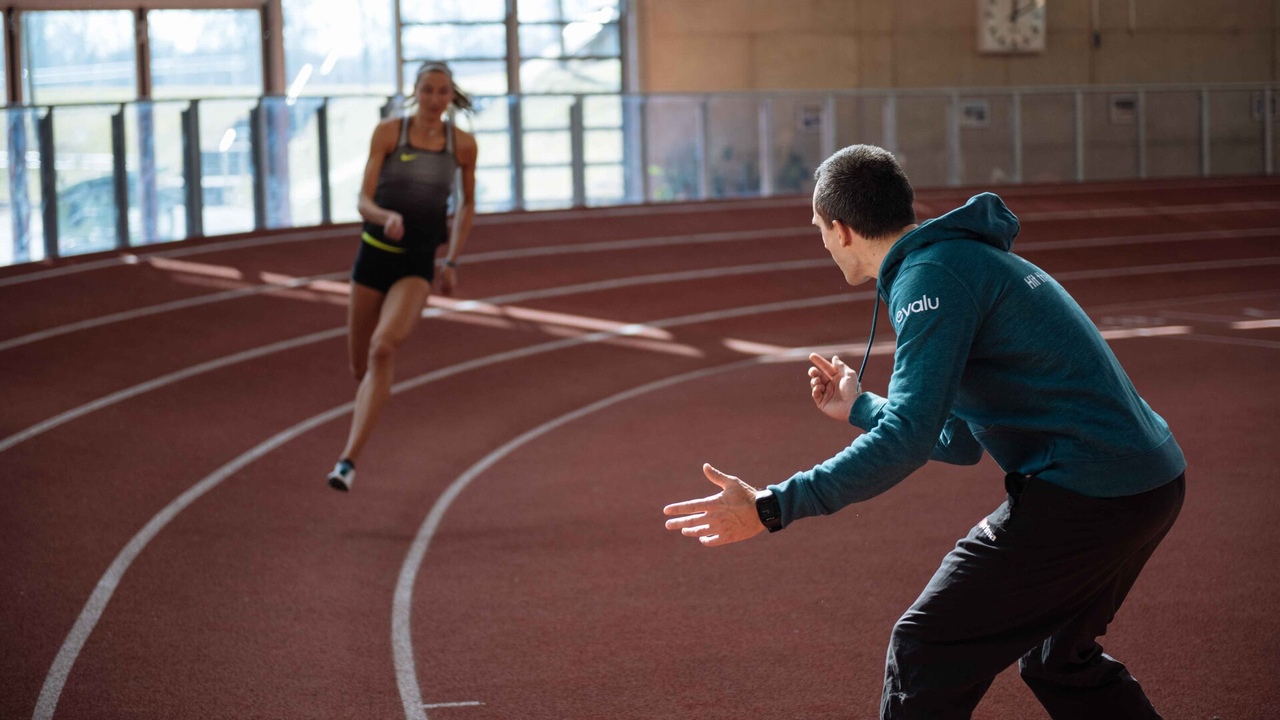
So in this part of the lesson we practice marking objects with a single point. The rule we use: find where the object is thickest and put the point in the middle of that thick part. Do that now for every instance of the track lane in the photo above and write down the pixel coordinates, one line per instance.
(838, 585)
(859, 324)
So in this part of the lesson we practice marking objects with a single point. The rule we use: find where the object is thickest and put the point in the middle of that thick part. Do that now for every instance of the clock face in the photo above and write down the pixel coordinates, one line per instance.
(1011, 26)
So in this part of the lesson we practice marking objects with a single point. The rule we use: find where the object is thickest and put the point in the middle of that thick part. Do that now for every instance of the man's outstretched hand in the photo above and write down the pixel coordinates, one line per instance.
(833, 386)
(726, 517)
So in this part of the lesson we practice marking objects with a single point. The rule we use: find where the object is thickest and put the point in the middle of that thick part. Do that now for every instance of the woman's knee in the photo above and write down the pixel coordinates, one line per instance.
(382, 350)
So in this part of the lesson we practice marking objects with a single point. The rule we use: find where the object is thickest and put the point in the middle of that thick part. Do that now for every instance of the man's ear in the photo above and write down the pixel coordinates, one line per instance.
(844, 232)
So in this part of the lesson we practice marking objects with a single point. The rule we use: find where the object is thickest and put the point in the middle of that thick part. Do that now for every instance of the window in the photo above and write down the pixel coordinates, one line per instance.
(76, 56)
(205, 53)
(339, 47)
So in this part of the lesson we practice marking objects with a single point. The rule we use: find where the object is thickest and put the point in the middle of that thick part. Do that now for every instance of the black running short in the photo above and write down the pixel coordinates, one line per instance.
(380, 269)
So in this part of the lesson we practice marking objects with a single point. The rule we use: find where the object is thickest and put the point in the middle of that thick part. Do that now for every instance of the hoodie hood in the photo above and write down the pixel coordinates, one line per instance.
(983, 219)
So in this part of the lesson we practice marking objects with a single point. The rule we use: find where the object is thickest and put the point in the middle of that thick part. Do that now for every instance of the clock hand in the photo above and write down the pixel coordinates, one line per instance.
(1020, 10)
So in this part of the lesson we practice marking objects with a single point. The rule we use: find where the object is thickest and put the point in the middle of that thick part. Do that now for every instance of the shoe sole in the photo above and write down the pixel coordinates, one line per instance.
(336, 483)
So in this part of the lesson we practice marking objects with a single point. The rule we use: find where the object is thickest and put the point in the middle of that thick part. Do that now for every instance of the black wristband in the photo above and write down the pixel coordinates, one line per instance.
(450, 264)
(770, 511)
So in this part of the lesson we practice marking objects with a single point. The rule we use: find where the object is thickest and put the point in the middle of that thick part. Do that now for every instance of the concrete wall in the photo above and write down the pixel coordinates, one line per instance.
(726, 45)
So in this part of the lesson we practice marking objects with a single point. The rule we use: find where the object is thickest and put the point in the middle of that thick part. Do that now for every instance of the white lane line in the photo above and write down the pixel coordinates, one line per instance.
(401, 630)
(807, 230)
(1141, 211)
(159, 382)
(158, 309)
(626, 330)
(344, 229)
(93, 609)
(1189, 300)
(1124, 333)
(639, 243)
(607, 246)
(402, 604)
(130, 258)
(1168, 268)
(1223, 340)
(1242, 234)
(92, 612)
(469, 703)
(545, 293)
(1255, 324)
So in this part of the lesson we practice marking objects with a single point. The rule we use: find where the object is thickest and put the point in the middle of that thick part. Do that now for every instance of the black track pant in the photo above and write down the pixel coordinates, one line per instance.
(1036, 581)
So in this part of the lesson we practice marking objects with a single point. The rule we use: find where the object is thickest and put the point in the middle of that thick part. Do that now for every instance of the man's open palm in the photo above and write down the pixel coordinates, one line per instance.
(726, 517)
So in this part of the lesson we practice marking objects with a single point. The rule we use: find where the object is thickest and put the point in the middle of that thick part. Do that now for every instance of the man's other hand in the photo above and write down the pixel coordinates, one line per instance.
(726, 517)
(833, 386)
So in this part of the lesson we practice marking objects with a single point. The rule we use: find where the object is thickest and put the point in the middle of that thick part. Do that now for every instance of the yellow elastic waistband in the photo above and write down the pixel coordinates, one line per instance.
(379, 244)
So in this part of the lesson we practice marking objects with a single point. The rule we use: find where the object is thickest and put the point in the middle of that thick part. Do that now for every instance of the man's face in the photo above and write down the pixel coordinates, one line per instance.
(845, 246)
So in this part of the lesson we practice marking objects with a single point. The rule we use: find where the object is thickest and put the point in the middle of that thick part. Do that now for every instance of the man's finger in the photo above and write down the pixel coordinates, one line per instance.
(823, 366)
(681, 523)
(696, 531)
(718, 477)
(688, 507)
(838, 365)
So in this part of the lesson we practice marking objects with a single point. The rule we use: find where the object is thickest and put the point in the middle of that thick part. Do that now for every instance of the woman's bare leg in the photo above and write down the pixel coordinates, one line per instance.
(362, 319)
(400, 312)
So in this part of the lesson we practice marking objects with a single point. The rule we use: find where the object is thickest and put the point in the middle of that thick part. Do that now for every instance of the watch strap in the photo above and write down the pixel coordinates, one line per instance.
(769, 510)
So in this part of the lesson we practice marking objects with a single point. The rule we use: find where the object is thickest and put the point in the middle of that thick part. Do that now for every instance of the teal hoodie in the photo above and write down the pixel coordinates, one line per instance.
(993, 355)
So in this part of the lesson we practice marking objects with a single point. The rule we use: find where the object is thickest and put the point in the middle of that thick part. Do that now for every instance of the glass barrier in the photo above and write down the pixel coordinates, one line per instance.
(85, 179)
(226, 166)
(156, 186)
(186, 168)
(22, 236)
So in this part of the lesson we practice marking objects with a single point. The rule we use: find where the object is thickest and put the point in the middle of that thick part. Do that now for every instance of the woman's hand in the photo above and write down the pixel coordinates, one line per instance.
(446, 280)
(393, 228)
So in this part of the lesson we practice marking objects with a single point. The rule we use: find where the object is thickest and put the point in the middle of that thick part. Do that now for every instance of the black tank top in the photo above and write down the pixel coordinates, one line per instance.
(417, 184)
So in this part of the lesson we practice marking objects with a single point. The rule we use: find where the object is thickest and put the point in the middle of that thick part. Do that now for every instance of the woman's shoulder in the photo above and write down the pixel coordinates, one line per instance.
(387, 133)
(466, 143)
(462, 137)
(389, 126)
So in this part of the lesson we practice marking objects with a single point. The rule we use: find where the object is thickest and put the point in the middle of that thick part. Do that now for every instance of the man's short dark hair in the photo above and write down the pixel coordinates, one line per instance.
(863, 187)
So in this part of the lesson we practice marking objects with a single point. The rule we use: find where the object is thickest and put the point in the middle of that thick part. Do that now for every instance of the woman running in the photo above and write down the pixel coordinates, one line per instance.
(404, 201)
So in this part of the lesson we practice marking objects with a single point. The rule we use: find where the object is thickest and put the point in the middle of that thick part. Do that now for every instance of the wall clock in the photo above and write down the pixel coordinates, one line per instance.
(1011, 26)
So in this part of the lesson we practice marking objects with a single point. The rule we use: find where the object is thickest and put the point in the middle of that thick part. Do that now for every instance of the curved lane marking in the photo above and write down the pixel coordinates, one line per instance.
(465, 305)
(431, 312)
(607, 246)
(56, 679)
(322, 233)
(135, 258)
(401, 630)
(92, 612)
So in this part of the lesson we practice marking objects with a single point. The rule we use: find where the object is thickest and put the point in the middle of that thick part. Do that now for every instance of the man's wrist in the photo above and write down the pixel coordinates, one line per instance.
(769, 510)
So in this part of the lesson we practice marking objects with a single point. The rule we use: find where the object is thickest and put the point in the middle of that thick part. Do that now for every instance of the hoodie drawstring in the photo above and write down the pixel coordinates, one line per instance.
(875, 313)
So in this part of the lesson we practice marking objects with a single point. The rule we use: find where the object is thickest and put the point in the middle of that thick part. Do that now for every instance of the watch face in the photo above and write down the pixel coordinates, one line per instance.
(1011, 26)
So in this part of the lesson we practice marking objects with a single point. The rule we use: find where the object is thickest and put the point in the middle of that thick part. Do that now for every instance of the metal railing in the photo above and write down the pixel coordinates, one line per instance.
(86, 178)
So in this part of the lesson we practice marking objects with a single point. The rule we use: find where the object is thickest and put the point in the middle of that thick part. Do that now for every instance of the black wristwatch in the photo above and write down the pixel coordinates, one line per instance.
(769, 510)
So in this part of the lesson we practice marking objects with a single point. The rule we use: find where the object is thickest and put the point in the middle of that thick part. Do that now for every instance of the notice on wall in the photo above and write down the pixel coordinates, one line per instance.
(975, 114)
(809, 118)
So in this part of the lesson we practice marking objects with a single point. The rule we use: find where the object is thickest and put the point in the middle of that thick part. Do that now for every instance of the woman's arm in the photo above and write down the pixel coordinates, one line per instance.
(467, 154)
(382, 145)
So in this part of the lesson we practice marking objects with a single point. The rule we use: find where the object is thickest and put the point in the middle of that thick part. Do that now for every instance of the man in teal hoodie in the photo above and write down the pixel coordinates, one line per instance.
(992, 355)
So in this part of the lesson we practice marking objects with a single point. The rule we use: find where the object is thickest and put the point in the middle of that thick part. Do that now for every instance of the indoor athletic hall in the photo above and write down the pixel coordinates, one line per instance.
(625, 263)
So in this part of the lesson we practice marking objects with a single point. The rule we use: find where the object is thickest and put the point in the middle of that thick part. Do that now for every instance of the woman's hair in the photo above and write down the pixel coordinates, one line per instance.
(864, 187)
(461, 100)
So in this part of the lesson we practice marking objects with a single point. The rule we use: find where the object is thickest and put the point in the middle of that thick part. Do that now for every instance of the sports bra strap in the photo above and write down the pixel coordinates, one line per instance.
(448, 137)
(404, 131)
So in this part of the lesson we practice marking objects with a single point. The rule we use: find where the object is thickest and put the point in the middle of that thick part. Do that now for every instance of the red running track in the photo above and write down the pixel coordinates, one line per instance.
(170, 549)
